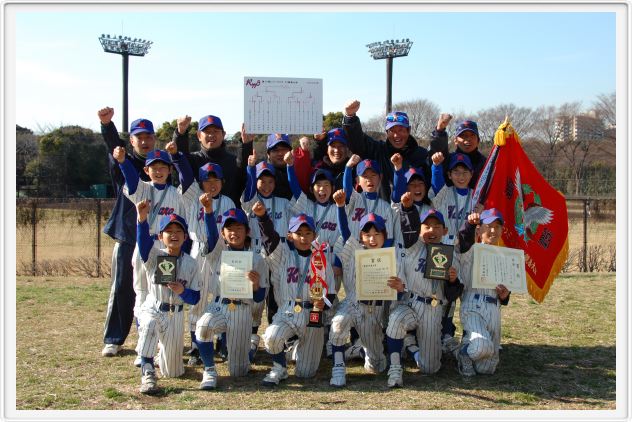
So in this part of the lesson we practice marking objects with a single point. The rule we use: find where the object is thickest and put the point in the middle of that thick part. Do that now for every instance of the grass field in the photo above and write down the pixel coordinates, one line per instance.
(559, 355)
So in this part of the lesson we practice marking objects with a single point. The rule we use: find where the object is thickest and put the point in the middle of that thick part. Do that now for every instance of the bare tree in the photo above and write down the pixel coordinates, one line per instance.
(423, 116)
(521, 118)
(606, 108)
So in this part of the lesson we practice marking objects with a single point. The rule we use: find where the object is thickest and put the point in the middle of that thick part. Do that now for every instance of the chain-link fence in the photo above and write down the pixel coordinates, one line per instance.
(65, 237)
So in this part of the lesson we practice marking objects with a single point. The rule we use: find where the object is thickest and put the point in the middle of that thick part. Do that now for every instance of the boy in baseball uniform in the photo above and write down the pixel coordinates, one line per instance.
(480, 308)
(160, 317)
(225, 314)
(290, 263)
(421, 309)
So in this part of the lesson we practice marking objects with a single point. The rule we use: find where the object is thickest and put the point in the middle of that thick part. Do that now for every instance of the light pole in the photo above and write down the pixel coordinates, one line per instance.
(389, 50)
(125, 46)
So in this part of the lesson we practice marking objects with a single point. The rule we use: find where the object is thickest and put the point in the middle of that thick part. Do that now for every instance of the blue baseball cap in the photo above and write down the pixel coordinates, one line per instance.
(275, 139)
(396, 118)
(210, 168)
(158, 155)
(374, 219)
(368, 164)
(337, 135)
(466, 125)
(322, 172)
(299, 220)
(210, 121)
(432, 213)
(141, 126)
(458, 158)
(235, 214)
(264, 166)
(415, 172)
(175, 219)
(490, 215)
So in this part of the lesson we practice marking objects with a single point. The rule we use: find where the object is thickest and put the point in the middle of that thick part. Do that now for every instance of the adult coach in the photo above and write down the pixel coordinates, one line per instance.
(122, 227)
(211, 135)
(398, 140)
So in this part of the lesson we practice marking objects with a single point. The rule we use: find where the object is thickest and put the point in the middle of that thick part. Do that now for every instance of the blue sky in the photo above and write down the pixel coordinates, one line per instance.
(462, 61)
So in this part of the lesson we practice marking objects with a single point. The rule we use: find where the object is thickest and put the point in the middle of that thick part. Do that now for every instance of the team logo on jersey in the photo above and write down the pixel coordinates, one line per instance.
(421, 265)
(358, 213)
(292, 275)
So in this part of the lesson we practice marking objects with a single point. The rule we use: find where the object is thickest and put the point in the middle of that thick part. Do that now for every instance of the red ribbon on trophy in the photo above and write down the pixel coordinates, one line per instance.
(318, 288)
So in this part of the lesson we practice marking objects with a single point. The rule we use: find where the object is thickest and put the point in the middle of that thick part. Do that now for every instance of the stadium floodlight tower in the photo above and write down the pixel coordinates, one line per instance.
(389, 50)
(125, 46)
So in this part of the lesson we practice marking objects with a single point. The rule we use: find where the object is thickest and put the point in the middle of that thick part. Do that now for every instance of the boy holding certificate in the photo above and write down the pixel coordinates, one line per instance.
(364, 315)
(480, 308)
(421, 310)
(173, 279)
(242, 280)
(293, 284)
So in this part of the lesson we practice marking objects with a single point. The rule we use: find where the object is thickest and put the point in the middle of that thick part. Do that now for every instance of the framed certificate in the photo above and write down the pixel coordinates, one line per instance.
(232, 275)
(439, 261)
(494, 265)
(373, 268)
(166, 269)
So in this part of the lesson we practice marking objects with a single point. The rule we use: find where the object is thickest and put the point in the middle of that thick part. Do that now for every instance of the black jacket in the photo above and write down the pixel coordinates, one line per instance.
(366, 147)
(439, 143)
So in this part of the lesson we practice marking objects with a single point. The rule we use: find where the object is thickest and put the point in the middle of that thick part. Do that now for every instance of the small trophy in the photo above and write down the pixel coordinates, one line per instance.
(438, 261)
(317, 286)
(166, 270)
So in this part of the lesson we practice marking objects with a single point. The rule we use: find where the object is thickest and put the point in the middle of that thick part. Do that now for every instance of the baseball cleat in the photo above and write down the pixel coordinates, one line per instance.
(449, 344)
(194, 358)
(149, 384)
(209, 379)
(277, 374)
(395, 376)
(354, 351)
(338, 376)
(110, 350)
(465, 364)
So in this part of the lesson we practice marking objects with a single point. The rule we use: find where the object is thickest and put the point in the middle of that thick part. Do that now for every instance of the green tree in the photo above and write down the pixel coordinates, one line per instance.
(332, 120)
(165, 132)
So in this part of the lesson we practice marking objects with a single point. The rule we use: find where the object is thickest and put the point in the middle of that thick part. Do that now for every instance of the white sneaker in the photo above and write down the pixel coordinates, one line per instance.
(149, 384)
(138, 361)
(110, 350)
(338, 376)
(354, 351)
(449, 344)
(277, 374)
(209, 379)
(465, 365)
(395, 376)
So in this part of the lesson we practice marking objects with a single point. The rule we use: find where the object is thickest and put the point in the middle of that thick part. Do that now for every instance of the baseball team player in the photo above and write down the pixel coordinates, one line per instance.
(210, 180)
(225, 314)
(290, 265)
(160, 317)
(365, 316)
(480, 308)
(421, 309)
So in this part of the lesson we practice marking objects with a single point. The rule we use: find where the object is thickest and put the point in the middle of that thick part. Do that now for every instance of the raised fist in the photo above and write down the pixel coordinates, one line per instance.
(172, 148)
(354, 160)
(304, 143)
(352, 107)
(183, 124)
(142, 208)
(252, 158)
(407, 200)
(474, 218)
(289, 158)
(397, 161)
(207, 202)
(340, 197)
(105, 115)
(245, 138)
(320, 136)
(119, 154)
(444, 120)
(437, 158)
(259, 209)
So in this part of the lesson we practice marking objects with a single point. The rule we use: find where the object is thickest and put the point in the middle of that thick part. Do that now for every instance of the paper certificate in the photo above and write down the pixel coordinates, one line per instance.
(494, 265)
(232, 275)
(373, 268)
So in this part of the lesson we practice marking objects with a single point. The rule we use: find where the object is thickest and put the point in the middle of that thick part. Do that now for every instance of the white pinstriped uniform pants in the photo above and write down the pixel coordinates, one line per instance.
(481, 322)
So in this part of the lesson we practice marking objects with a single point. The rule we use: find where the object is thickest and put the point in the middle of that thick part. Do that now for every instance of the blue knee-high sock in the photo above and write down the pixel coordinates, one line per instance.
(206, 353)
(341, 356)
(394, 346)
(145, 360)
(193, 339)
(280, 359)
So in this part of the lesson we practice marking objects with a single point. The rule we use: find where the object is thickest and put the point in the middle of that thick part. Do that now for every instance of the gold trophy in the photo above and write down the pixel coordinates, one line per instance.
(316, 293)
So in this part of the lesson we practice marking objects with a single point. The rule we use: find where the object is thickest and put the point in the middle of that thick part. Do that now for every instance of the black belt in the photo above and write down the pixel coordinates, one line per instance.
(226, 301)
(488, 299)
(372, 302)
(426, 300)
(306, 304)
(167, 307)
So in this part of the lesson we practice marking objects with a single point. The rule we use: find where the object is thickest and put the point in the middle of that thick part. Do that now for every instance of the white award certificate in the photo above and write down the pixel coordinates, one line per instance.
(232, 274)
(373, 269)
(494, 265)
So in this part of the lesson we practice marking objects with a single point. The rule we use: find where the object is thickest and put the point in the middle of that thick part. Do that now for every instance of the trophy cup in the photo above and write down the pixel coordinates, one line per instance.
(317, 286)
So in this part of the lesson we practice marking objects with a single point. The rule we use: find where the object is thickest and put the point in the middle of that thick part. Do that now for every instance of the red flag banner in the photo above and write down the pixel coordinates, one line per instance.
(536, 219)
